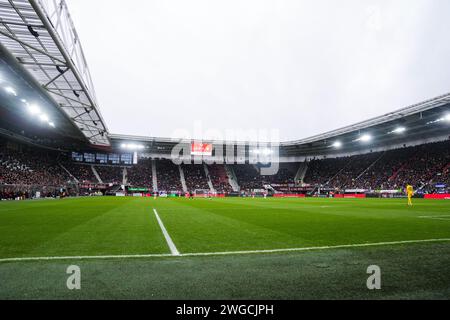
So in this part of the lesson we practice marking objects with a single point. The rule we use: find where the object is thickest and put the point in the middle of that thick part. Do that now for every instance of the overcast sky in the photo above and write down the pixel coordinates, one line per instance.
(303, 67)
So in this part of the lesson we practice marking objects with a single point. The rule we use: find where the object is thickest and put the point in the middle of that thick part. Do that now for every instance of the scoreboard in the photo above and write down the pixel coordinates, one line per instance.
(201, 149)
(103, 158)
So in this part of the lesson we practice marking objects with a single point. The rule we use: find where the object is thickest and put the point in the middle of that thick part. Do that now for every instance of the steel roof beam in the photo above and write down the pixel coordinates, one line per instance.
(30, 46)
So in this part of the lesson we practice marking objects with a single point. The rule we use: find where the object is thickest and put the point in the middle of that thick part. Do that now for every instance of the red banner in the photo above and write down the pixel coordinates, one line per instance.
(444, 196)
(291, 195)
(356, 195)
(201, 149)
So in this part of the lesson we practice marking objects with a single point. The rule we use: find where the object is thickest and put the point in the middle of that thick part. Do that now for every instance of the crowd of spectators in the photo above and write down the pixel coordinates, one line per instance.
(195, 177)
(83, 173)
(168, 176)
(284, 175)
(219, 178)
(427, 166)
(140, 175)
(422, 166)
(252, 177)
(347, 178)
(248, 177)
(30, 167)
(110, 174)
(319, 172)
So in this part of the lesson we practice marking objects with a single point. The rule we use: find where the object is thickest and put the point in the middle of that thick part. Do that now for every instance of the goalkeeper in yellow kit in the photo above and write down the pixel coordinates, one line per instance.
(410, 193)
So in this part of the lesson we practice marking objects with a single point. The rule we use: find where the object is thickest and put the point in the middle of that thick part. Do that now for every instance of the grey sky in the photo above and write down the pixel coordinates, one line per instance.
(303, 67)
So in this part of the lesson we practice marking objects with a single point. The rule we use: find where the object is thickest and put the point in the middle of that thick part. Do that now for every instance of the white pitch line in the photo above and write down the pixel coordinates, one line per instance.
(123, 256)
(172, 247)
(343, 246)
(194, 254)
(438, 217)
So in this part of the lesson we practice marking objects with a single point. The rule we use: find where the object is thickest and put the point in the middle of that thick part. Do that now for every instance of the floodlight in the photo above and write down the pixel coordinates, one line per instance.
(51, 124)
(337, 144)
(399, 130)
(11, 91)
(132, 146)
(43, 117)
(34, 109)
(365, 138)
(447, 117)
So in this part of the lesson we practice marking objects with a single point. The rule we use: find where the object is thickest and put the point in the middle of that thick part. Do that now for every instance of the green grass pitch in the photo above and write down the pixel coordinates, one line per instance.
(201, 228)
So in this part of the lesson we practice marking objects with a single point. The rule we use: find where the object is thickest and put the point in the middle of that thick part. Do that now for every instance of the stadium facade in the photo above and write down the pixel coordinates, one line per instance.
(48, 102)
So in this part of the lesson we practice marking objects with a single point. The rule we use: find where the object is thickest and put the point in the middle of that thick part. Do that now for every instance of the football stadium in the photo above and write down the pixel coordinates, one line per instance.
(359, 212)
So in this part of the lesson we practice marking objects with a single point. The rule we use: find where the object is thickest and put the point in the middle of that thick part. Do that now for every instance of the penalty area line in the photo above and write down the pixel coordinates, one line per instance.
(173, 249)
(195, 254)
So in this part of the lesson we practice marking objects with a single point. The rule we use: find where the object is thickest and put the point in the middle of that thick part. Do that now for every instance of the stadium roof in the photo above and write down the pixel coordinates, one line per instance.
(421, 121)
(386, 118)
(41, 35)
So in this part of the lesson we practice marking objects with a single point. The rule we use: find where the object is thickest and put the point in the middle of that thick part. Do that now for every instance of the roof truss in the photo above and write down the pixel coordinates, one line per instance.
(41, 35)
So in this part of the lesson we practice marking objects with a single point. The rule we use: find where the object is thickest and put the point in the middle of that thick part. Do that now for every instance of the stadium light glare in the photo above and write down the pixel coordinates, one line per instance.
(51, 124)
(132, 146)
(447, 117)
(337, 144)
(11, 90)
(34, 109)
(364, 138)
(43, 117)
(399, 130)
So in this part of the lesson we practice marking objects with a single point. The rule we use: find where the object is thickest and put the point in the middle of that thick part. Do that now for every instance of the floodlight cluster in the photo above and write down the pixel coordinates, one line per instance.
(444, 118)
(398, 130)
(32, 109)
(132, 146)
(366, 138)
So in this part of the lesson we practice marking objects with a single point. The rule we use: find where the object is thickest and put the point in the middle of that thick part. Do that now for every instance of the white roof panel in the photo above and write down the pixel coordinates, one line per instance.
(41, 35)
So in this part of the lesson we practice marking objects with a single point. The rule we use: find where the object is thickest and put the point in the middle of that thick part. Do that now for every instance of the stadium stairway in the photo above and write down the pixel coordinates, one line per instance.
(125, 176)
(154, 177)
(68, 172)
(99, 180)
(208, 178)
(301, 172)
(182, 179)
(232, 179)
